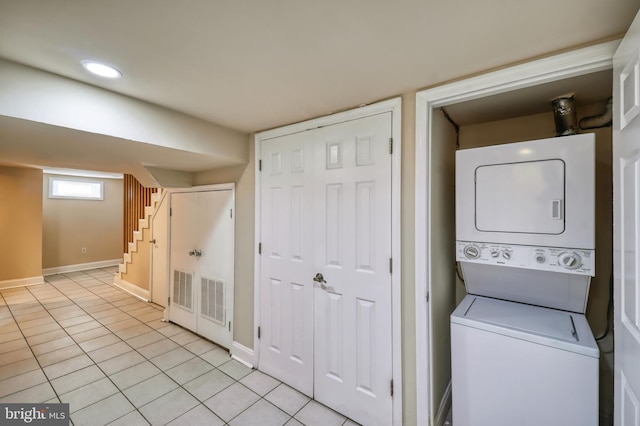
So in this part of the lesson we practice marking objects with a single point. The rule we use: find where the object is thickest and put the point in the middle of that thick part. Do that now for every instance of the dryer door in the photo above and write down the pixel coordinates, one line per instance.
(538, 193)
(525, 197)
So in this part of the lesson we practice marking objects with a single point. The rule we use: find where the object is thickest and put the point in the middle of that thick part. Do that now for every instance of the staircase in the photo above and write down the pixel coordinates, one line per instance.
(144, 223)
(132, 260)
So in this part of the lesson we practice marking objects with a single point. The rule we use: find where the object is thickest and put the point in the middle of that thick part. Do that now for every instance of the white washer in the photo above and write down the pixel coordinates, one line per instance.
(518, 364)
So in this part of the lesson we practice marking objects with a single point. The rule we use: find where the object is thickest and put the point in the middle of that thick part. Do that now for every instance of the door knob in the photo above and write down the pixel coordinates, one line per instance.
(320, 279)
(196, 253)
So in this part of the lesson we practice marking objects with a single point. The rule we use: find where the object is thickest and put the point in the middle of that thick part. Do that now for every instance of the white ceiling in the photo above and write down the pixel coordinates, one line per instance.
(253, 65)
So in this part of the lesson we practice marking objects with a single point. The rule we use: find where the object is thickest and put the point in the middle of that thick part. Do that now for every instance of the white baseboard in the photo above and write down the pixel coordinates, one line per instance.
(132, 289)
(80, 267)
(242, 354)
(22, 282)
(445, 405)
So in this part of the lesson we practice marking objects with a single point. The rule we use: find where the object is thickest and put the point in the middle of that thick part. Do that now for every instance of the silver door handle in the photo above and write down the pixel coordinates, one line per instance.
(153, 241)
(319, 278)
(196, 253)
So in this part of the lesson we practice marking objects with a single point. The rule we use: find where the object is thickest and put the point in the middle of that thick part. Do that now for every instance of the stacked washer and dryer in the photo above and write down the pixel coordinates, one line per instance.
(522, 350)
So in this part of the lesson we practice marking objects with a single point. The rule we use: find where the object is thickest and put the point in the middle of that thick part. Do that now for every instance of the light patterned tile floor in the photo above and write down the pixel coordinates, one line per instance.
(79, 339)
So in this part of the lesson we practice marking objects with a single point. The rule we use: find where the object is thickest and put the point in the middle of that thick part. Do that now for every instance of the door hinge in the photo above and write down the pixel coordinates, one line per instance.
(258, 332)
(168, 301)
(231, 213)
(259, 248)
(259, 165)
(170, 211)
(427, 297)
(229, 325)
(391, 265)
(390, 145)
(391, 387)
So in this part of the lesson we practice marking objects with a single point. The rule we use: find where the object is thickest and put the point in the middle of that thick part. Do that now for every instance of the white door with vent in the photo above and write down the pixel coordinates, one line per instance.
(626, 226)
(325, 265)
(202, 263)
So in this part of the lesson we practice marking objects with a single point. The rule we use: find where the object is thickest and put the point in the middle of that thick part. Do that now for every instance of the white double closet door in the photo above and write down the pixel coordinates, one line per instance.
(202, 263)
(325, 290)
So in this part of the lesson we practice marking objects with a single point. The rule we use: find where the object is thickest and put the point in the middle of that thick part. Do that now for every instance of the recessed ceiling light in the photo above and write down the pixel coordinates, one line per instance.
(101, 69)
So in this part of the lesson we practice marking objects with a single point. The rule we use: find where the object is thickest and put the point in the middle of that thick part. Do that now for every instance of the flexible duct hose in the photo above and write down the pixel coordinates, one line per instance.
(597, 121)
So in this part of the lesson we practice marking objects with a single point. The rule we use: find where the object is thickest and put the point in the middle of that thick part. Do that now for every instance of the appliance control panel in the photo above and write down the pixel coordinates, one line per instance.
(554, 259)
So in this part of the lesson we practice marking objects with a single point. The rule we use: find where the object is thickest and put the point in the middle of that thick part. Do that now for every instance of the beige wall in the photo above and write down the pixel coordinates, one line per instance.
(20, 223)
(408, 259)
(138, 270)
(442, 247)
(542, 126)
(70, 225)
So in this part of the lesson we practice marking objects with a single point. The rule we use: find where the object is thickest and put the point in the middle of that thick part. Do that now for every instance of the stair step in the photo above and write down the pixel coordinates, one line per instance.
(143, 223)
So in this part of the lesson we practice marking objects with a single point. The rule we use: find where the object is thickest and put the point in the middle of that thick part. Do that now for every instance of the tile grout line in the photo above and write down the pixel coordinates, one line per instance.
(108, 376)
(76, 342)
(132, 349)
(99, 296)
(146, 359)
(29, 345)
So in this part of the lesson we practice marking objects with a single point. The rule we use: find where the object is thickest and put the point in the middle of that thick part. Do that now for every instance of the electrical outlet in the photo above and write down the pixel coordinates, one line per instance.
(83, 250)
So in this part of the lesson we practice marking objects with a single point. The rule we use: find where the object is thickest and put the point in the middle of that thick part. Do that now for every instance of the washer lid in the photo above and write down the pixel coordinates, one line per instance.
(550, 327)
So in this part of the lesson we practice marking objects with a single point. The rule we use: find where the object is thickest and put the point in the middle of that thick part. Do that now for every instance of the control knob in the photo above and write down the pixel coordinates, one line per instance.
(471, 251)
(506, 254)
(540, 258)
(495, 252)
(570, 260)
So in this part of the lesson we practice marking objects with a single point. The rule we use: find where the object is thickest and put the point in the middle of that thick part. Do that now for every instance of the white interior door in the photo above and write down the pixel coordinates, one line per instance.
(182, 298)
(626, 224)
(202, 263)
(326, 214)
(353, 345)
(286, 262)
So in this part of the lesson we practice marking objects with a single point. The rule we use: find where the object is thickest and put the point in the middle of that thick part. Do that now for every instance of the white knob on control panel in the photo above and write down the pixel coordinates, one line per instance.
(495, 253)
(570, 260)
(506, 254)
(540, 258)
(471, 251)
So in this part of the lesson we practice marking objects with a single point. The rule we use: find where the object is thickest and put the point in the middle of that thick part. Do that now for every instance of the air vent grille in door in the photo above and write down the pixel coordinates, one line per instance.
(183, 289)
(213, 300)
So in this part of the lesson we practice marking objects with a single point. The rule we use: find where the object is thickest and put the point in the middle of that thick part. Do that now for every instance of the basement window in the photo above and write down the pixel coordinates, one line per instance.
(76, 189)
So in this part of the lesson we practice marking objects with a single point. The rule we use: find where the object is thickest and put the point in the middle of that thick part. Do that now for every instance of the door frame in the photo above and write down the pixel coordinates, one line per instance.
(574, 63)
(204, 188)
(393, 106)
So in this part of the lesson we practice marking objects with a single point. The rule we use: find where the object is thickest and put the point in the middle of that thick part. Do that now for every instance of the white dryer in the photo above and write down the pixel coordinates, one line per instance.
(522, 350)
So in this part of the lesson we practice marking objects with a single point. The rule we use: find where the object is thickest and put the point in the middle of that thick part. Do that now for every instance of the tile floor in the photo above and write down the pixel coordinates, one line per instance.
(81, 340)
